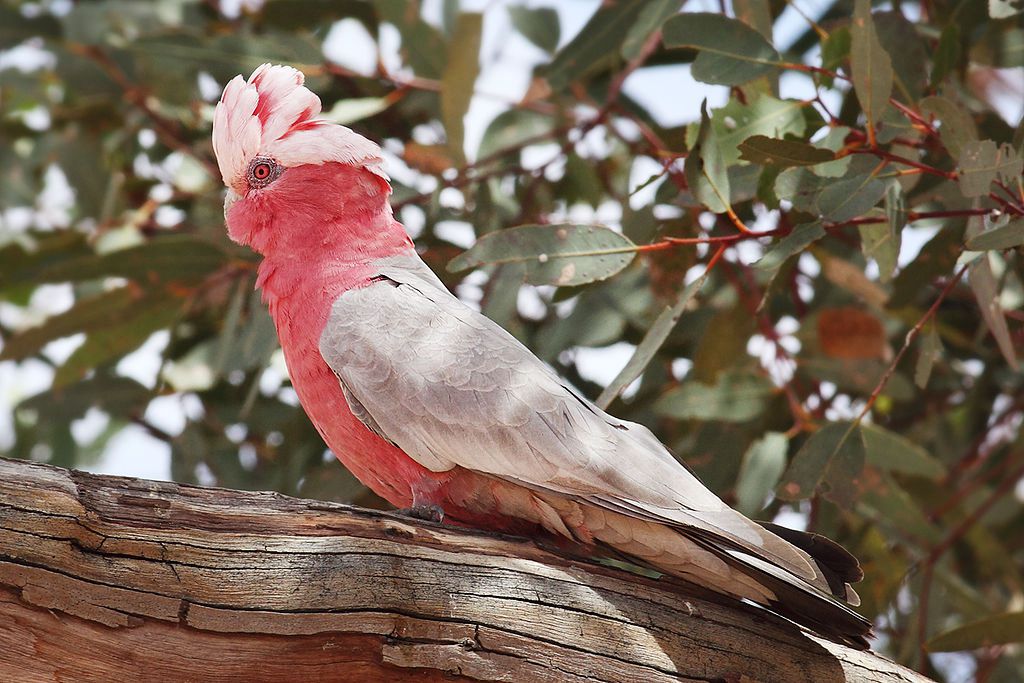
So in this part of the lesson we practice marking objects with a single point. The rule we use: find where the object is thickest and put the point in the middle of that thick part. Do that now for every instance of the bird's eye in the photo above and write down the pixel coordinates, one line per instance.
(263, 171)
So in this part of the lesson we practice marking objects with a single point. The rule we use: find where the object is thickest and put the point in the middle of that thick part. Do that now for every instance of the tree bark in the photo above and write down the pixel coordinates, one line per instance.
(116, 579)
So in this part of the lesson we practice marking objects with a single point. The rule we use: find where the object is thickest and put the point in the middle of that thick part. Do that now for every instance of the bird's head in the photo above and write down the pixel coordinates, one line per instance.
(287, 169)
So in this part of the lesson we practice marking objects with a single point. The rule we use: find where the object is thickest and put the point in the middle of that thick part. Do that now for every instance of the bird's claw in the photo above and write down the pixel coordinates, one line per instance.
(429, 513)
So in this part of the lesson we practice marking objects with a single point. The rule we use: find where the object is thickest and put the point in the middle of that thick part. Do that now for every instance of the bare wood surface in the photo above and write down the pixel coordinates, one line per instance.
(118, 579)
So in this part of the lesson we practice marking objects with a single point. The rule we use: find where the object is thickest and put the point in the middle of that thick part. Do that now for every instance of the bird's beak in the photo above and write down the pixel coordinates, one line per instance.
(230, 198)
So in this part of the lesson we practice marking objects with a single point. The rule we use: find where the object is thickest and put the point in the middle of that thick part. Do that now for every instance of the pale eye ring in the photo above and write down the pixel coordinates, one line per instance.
(263, 171)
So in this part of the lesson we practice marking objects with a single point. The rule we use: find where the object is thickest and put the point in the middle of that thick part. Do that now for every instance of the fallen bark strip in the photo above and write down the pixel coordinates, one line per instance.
(117, 579)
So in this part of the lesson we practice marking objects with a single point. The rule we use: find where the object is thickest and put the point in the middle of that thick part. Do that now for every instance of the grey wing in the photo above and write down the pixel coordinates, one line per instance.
(452, 388)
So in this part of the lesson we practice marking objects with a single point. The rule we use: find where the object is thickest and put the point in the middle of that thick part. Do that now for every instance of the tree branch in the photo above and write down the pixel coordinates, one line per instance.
(109, 578)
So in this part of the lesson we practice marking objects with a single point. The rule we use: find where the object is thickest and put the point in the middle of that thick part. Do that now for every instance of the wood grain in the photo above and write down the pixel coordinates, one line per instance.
(116, 579)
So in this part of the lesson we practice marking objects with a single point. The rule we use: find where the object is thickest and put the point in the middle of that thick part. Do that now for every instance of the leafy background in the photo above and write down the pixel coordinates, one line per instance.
(810, 285)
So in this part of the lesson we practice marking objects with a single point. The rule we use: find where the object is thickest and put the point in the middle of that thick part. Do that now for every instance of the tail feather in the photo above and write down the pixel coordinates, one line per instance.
(695, 555)
(819, 598)
(804, 604)
(835, 562)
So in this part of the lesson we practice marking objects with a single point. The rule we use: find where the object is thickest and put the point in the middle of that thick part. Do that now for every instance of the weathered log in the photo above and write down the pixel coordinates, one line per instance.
(115, 579)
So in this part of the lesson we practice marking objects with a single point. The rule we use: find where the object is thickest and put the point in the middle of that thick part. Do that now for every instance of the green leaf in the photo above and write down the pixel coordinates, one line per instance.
(982, 162)
(983, 283)
(898, 36)
(757, 14)
(771, 151)
(1006, 237)
(654, 14)
(423, 45)
(956, 127)
(562, 255)
(891, 506)
(458, 80)
(736, 397)
(181, 258)
(311, 15)
(122, 330)
(803, 236)
(117, 395)
(539, 25)
(115, 322)
(723, 343)
(1001, 629)
(511, 129)
(882, 241)
(849, 198)
(931, 351)
(763, 115)
(836, 48)
(834, 141)
(596, 43)
(801, 187)
(729, 51)
(763, 464)
(20, 265)
(872, 68)
(892, 452)
(249, 344)
(705, 170)
(831, 460)
(353, 109)
(596, 320)
(947, 55)
(937, 258)
(652, 341)
(82, 159)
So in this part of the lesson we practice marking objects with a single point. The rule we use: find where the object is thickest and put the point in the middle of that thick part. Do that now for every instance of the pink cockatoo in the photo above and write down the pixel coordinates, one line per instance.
(435, 407)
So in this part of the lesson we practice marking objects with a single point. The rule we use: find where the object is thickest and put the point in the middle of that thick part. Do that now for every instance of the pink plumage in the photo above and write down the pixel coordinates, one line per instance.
(432, 405)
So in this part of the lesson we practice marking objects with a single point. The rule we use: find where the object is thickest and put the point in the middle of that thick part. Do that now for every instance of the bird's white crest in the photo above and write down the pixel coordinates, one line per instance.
(274, 115)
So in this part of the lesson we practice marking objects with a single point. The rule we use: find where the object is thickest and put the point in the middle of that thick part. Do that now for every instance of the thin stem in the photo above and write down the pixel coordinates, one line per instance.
(911, 336)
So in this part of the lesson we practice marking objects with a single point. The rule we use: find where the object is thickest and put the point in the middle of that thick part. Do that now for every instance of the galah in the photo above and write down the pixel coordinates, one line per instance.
(436, 408)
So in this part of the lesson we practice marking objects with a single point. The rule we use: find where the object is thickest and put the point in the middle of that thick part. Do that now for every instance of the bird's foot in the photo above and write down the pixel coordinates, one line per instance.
(429, 513)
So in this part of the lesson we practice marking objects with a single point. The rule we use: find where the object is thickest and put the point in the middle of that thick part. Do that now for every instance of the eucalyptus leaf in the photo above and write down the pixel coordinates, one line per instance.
(729, 51)
(706, 171)
(596, 42)
(889, 451)
(832, 458)
(850, 198)
(650, 20)
(763, 464)
(459, 78)
(735, 397)
(563, 255)
(871, 64)
(982, 162)
(772, 151)
(512, 128)
(667, 319)
(762, 115)
(1000, 629)
(1007, 236)
(540, 25)
(929, 354)
(956, 127)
